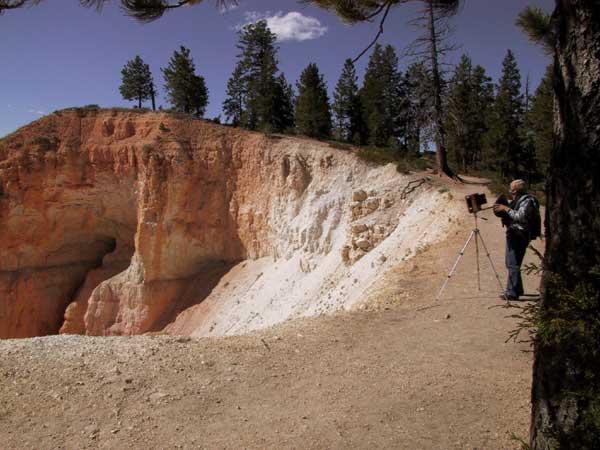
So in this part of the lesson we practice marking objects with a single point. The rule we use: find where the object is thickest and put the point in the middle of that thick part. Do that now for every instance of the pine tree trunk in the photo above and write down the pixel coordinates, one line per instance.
(441, 153)
(139, 102)
(572, 219)
(152, 93)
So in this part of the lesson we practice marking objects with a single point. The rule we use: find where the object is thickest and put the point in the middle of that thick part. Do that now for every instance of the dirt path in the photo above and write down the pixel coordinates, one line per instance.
(392, 376)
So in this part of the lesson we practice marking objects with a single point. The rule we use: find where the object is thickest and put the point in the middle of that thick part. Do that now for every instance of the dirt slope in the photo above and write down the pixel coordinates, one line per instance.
(402, 373)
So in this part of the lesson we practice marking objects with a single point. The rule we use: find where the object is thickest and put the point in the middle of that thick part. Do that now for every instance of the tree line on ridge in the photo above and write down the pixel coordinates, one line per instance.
(491, 127)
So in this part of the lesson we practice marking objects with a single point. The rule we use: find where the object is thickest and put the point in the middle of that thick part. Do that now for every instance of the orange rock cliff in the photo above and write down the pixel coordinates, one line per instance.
(120, 223)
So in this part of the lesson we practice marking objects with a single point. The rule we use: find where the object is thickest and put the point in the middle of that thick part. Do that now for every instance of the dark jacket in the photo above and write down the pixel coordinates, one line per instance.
(517, 220)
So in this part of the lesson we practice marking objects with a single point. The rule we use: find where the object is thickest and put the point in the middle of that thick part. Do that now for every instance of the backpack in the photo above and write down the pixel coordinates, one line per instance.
(534, 219)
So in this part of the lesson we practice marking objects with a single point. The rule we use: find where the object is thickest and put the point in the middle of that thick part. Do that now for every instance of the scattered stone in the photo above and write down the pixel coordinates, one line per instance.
(363, 243)
(157, 396)
(359, 228)
(346, 253)
(359, 195)
(372, 203)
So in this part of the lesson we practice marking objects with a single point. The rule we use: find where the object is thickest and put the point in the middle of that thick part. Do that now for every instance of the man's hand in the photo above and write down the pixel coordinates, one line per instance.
(500, 208)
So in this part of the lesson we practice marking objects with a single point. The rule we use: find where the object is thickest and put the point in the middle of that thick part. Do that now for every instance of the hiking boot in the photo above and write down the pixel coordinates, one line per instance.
(508, 298)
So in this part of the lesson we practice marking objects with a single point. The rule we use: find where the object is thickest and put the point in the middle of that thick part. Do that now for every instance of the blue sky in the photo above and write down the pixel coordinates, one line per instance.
(59, 54)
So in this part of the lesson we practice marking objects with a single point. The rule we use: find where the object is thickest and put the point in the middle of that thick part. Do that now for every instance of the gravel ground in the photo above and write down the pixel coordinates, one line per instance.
(404, 372)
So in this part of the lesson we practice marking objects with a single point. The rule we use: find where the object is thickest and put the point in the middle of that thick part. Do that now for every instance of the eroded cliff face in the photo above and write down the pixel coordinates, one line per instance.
(120, 223)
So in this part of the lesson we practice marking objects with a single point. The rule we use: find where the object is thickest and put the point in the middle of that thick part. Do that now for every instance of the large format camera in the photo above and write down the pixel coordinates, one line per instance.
(474, 202)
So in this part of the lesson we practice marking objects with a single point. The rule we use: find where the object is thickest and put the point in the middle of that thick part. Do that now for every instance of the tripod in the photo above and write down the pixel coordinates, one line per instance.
(475, 234)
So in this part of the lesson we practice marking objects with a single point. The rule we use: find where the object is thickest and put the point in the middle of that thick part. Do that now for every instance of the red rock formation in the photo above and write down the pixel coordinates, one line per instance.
(114, 223)
(81, 188)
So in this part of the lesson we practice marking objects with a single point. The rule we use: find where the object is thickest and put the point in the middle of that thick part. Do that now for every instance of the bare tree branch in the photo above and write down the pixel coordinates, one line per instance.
(379, 33)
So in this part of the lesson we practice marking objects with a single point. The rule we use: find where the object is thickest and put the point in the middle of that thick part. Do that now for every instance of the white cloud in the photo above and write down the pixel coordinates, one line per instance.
(293, 26)
(35, 111)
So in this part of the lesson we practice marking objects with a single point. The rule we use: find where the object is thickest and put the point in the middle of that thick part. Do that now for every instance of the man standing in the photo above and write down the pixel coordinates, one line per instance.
(517, 219)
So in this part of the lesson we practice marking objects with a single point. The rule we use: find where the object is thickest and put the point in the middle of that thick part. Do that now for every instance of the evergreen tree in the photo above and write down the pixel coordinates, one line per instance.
(347, 106)
(460, 114)
(483, 100)
(253, 91)
(234, 104)
(419, 109)
(313, 117)
(187, 92)
(395, 99)
(540, 120)
(469, 98)
(260, 61)
(137, 83)
(430, 47)
(283, 112)
(383, 98)
(504, 139)
(528, 160)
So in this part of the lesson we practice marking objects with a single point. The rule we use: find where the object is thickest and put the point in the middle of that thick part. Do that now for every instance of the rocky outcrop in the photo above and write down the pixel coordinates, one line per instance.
(120, 223)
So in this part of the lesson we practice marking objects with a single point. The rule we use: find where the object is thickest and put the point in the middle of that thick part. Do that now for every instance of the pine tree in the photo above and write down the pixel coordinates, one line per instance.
(527, 161)
(283, 111)
(371, 95)
(313, 116)
(540, 120)
(234, 104)
(258, 98)
(187, 92)
(483, 100)
(383, 98)
(460, 114)
(469, 98)
(137, 81)
(504, 139)
(253, 89)
(395, 100)
(347, 106)
(419, 110)
(430, 47)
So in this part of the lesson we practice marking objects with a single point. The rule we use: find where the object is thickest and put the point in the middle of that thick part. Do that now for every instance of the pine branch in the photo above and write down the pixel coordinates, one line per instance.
(379, 33)
(142, 10)
(14, 4)
(539, 27)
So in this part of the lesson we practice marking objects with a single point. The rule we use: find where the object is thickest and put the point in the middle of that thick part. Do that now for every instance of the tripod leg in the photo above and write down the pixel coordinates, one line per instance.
(491, 262)
(462, 252)
(477, 258)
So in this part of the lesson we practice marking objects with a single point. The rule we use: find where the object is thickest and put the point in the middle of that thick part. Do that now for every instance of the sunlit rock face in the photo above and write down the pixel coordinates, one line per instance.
(121, 223)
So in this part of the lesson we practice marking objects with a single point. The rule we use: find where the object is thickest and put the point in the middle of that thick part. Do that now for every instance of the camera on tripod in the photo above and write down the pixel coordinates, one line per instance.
(475, 201)
(474, 205)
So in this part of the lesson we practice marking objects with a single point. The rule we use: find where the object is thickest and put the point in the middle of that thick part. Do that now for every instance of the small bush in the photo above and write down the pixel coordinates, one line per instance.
(180, 115)
(44, 143)
(407, 165)
(340, 145)
(377, 155)
(567, 325)
(162, 127)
